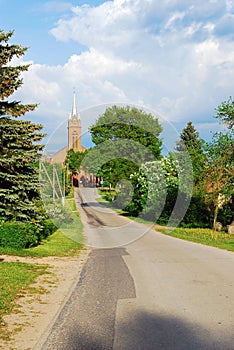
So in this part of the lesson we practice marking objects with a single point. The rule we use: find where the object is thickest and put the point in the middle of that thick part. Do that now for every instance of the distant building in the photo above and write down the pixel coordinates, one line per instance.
(74, 135)
(75, 142)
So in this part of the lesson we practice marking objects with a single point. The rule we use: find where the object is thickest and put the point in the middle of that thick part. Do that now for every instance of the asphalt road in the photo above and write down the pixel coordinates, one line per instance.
(141, 290)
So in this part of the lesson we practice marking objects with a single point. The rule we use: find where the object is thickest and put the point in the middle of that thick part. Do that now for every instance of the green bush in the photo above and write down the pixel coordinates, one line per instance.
(109, 196)
(19, 235)
(59, 214)
(48, 227)
(226, 214)
(197, 213)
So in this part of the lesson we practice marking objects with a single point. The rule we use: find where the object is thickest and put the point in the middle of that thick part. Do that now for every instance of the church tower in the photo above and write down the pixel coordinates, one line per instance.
(74, 136)
(74, 128)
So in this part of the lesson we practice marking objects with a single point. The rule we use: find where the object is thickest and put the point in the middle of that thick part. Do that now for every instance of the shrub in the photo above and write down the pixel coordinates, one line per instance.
(226, 213)
(59, 214)
(48, 227)
(109, 196)
(198, 214)
(19, 235)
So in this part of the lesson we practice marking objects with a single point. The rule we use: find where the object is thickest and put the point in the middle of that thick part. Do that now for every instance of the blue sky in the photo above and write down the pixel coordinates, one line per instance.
(175, 57)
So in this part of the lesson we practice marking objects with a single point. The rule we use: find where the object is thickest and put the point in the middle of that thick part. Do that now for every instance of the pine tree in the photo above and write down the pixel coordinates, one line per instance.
(191, 142)
(20, 148)
(189, 139)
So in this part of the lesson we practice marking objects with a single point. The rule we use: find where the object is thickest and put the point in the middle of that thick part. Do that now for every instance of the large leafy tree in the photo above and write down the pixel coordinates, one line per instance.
(125, 138)
(225, 112)
(74, 160)
(219, 175)
(20, 148)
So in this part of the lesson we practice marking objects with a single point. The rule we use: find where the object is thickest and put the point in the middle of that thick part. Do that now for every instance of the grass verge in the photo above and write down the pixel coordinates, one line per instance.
(67, 241)
(71, 203)
(73, 230)
(15, 280)
(57, 244)
(202, 235)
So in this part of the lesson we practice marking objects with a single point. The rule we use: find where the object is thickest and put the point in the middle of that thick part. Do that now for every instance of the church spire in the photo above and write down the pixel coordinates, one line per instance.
(74, 113)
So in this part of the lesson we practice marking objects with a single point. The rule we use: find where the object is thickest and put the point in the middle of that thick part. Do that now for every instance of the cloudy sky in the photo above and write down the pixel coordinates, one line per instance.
(175, 57)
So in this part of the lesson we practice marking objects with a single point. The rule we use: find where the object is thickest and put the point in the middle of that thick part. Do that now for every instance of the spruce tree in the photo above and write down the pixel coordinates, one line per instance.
(189, 139)
(19, 148)
(191, 142)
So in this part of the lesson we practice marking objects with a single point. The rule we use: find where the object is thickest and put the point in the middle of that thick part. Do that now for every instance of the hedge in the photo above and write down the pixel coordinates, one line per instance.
(20, 235)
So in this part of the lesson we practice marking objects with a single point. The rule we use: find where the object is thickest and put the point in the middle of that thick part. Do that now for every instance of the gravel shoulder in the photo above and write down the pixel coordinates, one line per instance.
(31, 321)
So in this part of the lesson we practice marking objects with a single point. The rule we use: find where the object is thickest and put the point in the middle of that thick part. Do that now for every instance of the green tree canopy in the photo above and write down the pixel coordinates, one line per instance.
(225, 112)
(20, 148)
(218, 179)
(119, 123)
(125, 138)
(74, 159)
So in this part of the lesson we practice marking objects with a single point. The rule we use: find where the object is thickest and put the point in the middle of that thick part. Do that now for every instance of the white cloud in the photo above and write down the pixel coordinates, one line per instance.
(167, 55)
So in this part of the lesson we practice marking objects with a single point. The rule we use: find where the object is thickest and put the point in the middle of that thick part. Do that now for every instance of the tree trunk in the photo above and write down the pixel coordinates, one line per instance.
(215, 216)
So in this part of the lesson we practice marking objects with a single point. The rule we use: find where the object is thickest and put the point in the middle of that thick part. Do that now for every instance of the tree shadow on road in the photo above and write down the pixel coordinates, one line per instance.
(88, 321)
(151, 332)
(147, 331)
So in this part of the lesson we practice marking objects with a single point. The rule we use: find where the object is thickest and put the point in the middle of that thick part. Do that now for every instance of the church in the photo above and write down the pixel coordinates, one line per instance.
(75, 142)
(74, 135)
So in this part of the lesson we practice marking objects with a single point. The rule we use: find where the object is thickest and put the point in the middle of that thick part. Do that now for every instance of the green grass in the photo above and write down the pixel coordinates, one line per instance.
(67, 241)
(202, 235)
(15, 280)
(58, 244)
(71, 194)
(73, 230)
(72, 204)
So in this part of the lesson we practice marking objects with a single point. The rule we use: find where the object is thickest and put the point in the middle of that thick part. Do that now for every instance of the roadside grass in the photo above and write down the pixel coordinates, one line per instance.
(73, 230)
(71, 194)
(205, 236)
(58, 244)
(67, 241)
(15, 281)
(102, 200)
(71, 203)
(16, 278)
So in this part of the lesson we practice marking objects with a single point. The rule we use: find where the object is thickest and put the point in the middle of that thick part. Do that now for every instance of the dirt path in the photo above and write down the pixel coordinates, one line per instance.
(32, 320)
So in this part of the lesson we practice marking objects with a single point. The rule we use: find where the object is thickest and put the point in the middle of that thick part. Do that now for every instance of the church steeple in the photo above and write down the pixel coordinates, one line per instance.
(74, 128)
(74, 113)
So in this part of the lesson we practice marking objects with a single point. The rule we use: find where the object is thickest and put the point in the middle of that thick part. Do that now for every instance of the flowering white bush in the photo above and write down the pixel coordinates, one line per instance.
(58, 213)
(150, 186)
